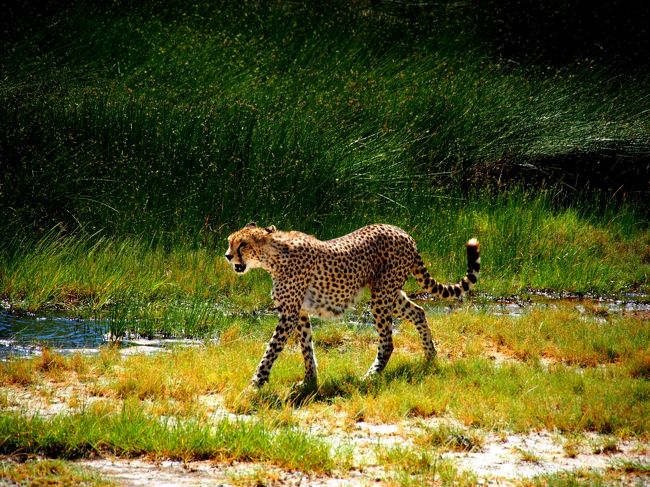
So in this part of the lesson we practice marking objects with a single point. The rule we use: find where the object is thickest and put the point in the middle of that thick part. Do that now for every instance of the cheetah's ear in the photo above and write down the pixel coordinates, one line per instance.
(251, 225)
(270, 229)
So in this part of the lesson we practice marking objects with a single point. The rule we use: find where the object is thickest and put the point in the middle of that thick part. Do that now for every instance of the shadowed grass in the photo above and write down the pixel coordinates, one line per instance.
(515, 397)
(569, 479)
(449, 438)
(411, 466)
(632, 467)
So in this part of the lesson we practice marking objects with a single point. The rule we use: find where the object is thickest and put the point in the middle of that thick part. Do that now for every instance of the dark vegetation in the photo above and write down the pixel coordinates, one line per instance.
(174, 122)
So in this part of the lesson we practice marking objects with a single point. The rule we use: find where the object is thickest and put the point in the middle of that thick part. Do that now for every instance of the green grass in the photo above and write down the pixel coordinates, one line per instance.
(563, 335)
(570, 479)
(632, 467)
(186, 289)
(449, 438)
(131, 433)
(572, 392)
(171, 404)
(414, 466)
(513, 397)
(135, 139)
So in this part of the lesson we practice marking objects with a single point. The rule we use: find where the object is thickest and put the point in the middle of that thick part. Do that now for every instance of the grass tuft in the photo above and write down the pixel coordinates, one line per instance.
(43, 472)
(132, 433)
(634, 467)
(449, 438)
(411, 466)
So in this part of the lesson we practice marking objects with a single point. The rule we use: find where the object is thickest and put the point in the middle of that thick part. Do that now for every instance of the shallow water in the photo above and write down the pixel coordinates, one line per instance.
(518, 306)
(26, 334)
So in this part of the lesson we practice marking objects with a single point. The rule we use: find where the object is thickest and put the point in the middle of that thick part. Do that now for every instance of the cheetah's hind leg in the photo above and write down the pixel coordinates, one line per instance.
(382, 310)
(408, 310)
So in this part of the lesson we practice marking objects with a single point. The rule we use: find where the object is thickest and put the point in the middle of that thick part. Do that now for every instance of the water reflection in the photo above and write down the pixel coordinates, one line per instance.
(25, 334)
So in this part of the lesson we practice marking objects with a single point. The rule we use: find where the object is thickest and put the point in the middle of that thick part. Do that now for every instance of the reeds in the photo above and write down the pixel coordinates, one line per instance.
(161, 123)
(186, 290)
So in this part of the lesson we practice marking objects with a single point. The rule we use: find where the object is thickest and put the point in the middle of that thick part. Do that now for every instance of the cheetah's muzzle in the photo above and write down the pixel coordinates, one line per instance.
(240, 268)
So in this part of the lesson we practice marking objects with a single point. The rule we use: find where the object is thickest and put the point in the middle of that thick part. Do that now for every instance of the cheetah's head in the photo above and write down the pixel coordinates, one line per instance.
(246, 247)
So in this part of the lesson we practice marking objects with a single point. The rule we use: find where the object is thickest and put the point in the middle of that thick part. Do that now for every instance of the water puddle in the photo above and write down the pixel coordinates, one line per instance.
(25, 334)
(518, 306)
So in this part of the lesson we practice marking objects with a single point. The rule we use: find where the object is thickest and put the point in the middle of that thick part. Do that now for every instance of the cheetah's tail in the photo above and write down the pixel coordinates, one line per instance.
(430, 285)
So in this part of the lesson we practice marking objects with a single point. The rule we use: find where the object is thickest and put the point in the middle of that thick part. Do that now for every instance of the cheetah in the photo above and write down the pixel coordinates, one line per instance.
(322, 278)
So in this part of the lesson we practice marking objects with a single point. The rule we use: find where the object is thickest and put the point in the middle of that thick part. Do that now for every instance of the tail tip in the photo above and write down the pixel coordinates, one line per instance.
(472, 242)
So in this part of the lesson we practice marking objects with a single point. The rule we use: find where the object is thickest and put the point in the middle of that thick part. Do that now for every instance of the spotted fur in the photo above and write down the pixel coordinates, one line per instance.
(323, 278)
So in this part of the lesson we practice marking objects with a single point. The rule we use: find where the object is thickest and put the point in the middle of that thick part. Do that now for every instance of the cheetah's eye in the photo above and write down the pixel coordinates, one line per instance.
(243, 245)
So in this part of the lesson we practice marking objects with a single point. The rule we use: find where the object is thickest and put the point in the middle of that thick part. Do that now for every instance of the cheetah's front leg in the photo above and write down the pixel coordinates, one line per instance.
(279, 339)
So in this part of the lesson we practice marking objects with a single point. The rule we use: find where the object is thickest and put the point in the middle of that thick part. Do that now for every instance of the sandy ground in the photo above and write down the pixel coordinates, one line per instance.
(498, 462)
(502, 458)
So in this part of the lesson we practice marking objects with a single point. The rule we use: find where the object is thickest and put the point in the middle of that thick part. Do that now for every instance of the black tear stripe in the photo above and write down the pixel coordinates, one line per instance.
(239, 251)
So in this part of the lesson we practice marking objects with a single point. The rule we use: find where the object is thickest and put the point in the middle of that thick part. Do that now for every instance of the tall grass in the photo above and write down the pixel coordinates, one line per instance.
(188, 288)
(162, 121)
(144, 133)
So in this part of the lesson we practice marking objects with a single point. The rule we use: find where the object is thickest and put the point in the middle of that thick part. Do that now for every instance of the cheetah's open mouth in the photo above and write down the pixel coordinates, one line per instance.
(240, 268)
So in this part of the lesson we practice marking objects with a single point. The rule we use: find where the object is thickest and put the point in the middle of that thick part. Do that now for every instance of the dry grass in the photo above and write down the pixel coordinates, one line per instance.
(449, 438)
(41, 473)
(564, 335)
(417, 466)
(607, 392)
(466, 384)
